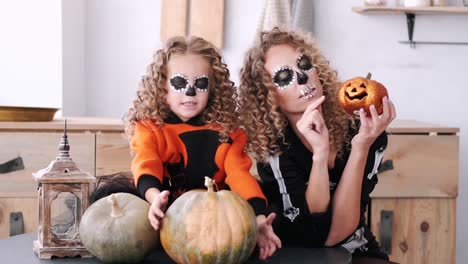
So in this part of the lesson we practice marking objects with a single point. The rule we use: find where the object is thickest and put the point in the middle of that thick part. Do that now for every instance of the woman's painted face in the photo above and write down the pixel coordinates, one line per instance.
(295, 77)
(187, 85)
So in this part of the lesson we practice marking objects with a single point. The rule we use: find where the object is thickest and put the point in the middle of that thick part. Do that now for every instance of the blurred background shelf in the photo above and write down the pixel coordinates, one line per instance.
(431, 10)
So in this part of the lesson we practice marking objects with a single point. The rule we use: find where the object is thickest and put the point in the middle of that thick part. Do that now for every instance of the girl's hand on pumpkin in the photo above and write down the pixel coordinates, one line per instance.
(157, 208)
(312, 127)
(371, 127)
(267, 240)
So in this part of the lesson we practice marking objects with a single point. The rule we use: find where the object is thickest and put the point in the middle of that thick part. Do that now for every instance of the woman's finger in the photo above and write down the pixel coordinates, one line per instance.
(363, 118)
(314, 105)
(271, 217)
(262, 253)
(386, 109)
(270, 250)
(277, 241)
(374, 115)
(392, 109)
(316, 123)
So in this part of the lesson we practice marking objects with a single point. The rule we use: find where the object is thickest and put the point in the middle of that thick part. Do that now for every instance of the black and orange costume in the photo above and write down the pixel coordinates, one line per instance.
(178, 155)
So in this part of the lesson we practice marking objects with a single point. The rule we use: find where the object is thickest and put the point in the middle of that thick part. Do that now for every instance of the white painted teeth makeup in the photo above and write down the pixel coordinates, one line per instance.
(309, 91)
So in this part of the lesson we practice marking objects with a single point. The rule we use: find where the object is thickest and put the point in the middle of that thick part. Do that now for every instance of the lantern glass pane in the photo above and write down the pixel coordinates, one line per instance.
(63, 215)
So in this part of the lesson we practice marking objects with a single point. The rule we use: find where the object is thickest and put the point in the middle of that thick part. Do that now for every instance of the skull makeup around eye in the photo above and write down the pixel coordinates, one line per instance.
(179, 82)
(304, 63)
(201, 83)
(283, 77)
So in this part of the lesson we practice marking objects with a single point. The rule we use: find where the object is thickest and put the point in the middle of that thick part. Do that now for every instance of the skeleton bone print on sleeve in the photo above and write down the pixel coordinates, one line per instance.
(379, 153)
(289, 210)
(357, 240)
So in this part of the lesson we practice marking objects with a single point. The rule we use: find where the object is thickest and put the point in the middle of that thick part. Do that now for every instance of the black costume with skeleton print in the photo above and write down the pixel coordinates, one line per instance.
(295, 225)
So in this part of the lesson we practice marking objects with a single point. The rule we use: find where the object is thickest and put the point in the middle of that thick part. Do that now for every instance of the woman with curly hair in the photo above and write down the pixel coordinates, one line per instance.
(183, 126)
(316, 163)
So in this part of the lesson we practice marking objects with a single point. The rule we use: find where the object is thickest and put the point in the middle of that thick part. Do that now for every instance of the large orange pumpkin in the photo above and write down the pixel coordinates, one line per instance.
(116, 229)
(361, 92)
(209, 227)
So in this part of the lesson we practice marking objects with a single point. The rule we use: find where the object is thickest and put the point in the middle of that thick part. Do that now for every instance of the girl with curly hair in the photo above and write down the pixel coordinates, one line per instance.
(316, 163)
(183, 126)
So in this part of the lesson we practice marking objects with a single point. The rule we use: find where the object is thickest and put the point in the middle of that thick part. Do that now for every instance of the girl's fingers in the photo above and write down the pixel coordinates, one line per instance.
(158, 212)
(152, 217)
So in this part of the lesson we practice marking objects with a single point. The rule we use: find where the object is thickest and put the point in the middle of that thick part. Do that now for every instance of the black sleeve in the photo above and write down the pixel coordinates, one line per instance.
(258, 205)
(147, 181)
(269, 188)
(296, 185)
(374, 159)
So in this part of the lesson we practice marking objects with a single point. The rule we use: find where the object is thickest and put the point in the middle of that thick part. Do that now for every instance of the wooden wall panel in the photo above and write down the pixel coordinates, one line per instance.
(424, 166)
(424, 229)
(173, 18)
(207, 20)
(112, 154)
(29, 208)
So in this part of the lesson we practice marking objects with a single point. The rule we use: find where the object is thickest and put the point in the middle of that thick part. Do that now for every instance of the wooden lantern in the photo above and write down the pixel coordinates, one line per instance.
(63, 192)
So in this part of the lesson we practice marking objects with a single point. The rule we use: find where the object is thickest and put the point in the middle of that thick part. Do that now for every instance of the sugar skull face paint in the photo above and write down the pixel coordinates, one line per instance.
(284, 76)
(188, 85)
(295, 76)
(180, 83)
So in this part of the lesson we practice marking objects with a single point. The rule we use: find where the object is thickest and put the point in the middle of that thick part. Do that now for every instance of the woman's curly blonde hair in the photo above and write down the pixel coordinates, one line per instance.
(150, 102)
(260, 113)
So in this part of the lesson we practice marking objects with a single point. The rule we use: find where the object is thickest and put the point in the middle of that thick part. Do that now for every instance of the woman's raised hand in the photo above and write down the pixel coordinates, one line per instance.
(312, 127)
(372, 126)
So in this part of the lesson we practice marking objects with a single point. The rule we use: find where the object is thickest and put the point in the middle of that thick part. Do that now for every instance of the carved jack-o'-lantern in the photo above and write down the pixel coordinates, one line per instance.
(360, 93)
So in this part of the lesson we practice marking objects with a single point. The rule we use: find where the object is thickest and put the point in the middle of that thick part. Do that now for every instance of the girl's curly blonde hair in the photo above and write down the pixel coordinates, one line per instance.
(260, 113)
(150, 102)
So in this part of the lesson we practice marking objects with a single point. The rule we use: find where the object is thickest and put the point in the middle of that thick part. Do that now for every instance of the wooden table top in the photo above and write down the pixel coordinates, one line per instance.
(18, 250)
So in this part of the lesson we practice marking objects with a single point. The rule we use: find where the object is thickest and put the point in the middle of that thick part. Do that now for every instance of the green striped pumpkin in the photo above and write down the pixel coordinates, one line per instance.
(209, 227)
(116, 229)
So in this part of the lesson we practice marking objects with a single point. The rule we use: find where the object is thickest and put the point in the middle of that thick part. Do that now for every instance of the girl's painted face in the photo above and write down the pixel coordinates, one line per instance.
(295, 77)
(187, 85)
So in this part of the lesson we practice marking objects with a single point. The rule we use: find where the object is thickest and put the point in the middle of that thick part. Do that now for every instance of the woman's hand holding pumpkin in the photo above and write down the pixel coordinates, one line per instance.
(157, 208)
(312, 127)
(372, 126)
(267, 240)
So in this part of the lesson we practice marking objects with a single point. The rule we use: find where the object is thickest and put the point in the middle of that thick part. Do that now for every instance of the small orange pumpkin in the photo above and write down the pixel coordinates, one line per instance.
(209, 227)
(360, 92)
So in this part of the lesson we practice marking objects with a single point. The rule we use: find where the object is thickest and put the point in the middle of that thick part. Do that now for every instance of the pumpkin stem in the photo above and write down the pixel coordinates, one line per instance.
(116, 211)
(209, 184)
(369, 75)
